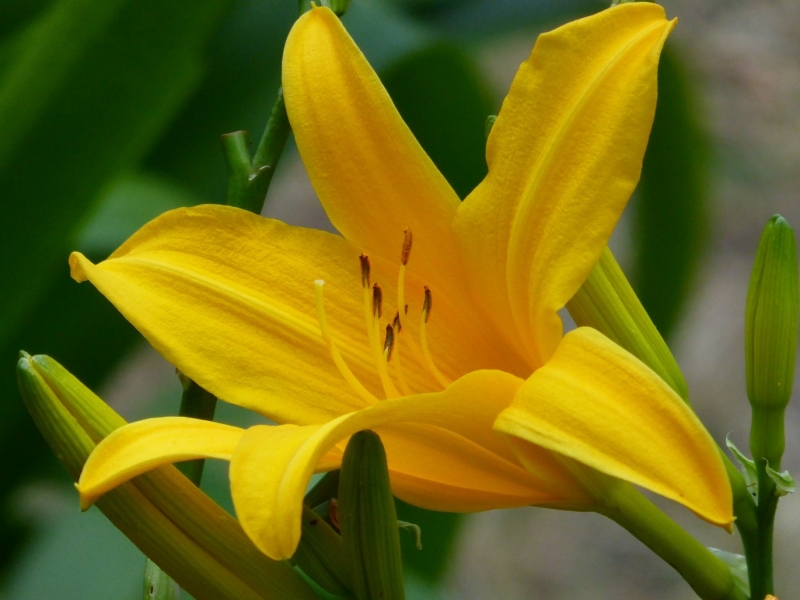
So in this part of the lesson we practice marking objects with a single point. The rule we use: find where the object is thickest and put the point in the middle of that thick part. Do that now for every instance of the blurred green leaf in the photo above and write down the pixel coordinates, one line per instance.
(670, 214)
(129, 203)
(244, 59)
(444, 100)
(87, 92)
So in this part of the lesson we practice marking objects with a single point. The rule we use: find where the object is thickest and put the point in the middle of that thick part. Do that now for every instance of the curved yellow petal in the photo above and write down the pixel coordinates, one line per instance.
(596, 403)
(228, 297)
(371, 175)
(441, 450)
(144, 445)
(564, 156)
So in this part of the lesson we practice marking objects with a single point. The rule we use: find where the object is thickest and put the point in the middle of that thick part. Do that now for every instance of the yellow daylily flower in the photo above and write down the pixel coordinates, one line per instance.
(426, 317)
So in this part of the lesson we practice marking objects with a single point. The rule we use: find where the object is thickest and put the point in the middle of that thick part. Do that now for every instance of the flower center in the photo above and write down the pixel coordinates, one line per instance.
(389, 350)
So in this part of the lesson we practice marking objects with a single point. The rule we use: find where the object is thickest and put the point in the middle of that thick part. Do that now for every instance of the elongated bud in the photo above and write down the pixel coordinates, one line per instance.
(175, 524)
(606, 301)
(771, 323)
(321, 555)
(368, 521)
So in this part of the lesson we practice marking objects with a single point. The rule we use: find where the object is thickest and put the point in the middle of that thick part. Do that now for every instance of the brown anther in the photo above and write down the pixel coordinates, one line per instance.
(388, 344)
(377, 300)
(365, 267)
(427, 303)
(396, 323)
(405, 309)
(406, 247)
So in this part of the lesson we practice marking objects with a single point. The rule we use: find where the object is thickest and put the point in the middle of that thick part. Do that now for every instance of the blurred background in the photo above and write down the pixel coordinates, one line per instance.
(111, 112)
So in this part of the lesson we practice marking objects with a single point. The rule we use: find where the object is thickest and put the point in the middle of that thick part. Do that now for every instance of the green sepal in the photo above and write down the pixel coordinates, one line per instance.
(784, 482)
(171, 521)
(158, 585)
(368, 520)
(606, 301)
(415, 530)
(321, 555)
(748, 467)
(738, 567)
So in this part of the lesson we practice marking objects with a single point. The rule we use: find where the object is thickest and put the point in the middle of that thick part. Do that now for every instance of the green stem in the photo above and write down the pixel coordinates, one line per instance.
(708, 576)
(767, 443)
(249, 179)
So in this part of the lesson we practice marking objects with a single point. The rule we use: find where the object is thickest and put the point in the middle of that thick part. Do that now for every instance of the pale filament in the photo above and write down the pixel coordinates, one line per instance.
(401, 314)
(372, 317)
(351, 379)
(423, 338)
(398, 364)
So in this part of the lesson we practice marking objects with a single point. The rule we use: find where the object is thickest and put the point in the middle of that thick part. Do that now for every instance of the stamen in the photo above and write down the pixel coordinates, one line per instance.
(406, 251)
(398, 365)
(377, 301)
(401, 275)
(426, 313)
(351, 379)
(388, 344)
(372, 312)
(396, 323)
(365, 269)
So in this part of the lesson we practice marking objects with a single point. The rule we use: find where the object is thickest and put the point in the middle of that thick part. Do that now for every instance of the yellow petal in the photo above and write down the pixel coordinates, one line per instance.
(564, 156)
(596, 403)
(441, 452)
(144, 445)
(228, 298)
(371, 175)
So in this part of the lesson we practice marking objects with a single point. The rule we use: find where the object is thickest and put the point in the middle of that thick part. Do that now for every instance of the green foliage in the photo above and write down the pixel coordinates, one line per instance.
(670, 225)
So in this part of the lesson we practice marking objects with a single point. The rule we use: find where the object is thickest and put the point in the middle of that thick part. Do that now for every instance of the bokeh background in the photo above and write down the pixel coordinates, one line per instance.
(111, 112)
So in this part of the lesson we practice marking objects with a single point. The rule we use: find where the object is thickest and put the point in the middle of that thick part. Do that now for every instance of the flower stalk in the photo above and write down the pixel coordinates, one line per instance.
(771, 325)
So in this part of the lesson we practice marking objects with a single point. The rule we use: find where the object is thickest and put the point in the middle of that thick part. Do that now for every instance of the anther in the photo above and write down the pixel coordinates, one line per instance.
(365, 268)
(396, 323)
(377, 300)
(388, 344)
(404, 254)
(427, 304)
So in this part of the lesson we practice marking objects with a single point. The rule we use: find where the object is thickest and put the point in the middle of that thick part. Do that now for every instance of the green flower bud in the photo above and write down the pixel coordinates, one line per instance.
(772, 317)
(607, 302)
(175, 524)
(771, 321)
(368, 521)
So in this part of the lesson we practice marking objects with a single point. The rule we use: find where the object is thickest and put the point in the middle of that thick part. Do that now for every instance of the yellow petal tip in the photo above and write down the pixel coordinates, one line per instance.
(76, 266)
(86, 500)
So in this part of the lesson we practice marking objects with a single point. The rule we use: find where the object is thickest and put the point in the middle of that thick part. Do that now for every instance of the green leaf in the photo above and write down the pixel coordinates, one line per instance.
(88, 89)
(748, 467)
(670, 213)
(738, 567)
(784, 482)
